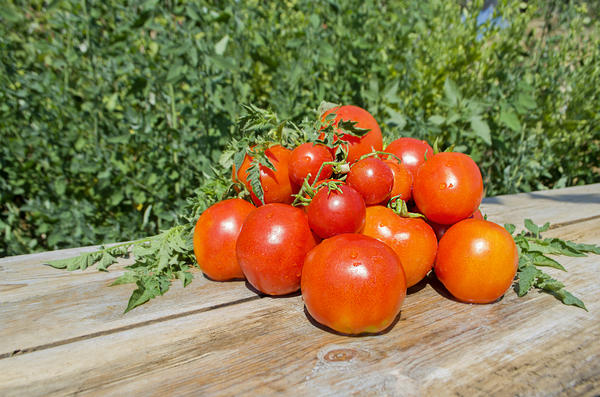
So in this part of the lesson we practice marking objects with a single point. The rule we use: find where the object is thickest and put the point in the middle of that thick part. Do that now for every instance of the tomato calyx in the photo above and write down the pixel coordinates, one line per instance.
(400, 208)
(307, 191)
(382, 155)
(436, 147)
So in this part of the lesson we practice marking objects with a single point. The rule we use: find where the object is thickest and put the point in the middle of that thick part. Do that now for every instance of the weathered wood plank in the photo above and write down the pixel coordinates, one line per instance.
(34, 294)
(518, 346)
(554, 206)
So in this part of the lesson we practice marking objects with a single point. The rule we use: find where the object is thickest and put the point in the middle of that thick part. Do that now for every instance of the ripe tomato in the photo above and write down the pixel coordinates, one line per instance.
(358, 146)
(411, 238)
(441, 229)
(306, 159)
(403, 180)
(411, 151)
(215, 236)
(448, 187)
(331, 213)
(353, 284)
(271, 247)
(477, 261)
(372, 178)
(275, 184)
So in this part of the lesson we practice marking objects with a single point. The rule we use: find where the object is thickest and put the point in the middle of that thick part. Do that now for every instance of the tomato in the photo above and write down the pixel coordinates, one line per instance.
(271, 247)
(353, 284)
(448, 188)
(441, 229)
(358, 146)
(411, 151)
(372, 178)
(331, 213)
(403, 180)
(306, 159)
(275, 184)
(411, 238)
(215, 236)
(477, 261)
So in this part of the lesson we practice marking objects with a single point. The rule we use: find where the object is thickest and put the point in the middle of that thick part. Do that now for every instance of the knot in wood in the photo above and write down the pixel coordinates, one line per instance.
(337, 355)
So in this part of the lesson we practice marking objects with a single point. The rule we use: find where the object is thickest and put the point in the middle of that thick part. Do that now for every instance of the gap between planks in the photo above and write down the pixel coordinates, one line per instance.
(27, 350)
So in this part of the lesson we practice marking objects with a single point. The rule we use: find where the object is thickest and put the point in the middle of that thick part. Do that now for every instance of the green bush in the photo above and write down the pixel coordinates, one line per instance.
(111, 113)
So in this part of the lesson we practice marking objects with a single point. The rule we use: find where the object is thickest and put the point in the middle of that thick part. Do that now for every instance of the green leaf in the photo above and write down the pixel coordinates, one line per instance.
(221, 45)
(254, 179)
(437, 119)
(568, 299)
(532, 227)
(126, 278)
(526, 100)
(396, 118)
(142, 294)
(509, 118)
(481, 129)
(510, 228)
(526, 278)
(452, 92)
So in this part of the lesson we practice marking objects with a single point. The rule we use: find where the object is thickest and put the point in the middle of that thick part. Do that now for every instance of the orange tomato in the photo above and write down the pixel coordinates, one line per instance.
(412, 239)
(476, 261)
(403, 180)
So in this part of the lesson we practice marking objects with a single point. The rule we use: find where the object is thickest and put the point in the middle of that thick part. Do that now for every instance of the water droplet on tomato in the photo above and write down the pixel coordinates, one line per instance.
(450, 185)
(442, 186)
(354, 255)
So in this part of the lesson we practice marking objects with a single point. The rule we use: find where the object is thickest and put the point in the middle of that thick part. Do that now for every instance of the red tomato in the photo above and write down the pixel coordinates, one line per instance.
(411, 151)
(441, 229)
(477, 261)
(331, 213)
(276, 184)
(372, 178)
(448, 188)
(411, 238)
(403, 180)
(271, 247)
(215, 236)
(307, 159)
(353, 284)
(358, 146)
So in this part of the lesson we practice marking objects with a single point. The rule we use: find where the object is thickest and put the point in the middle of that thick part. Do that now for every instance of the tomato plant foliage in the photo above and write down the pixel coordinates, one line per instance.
(111, 113)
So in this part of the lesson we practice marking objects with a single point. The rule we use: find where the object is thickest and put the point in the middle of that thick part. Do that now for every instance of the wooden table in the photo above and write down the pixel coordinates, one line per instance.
(65, 333)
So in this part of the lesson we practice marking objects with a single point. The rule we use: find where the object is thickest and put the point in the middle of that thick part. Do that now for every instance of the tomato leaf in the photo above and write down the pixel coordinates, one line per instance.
(533, 251)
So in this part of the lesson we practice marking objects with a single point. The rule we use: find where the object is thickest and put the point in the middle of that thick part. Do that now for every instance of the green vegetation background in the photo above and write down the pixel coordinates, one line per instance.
(112, 112)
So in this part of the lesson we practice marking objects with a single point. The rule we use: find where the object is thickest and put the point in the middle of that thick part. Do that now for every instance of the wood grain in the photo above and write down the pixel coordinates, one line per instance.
(232, 342)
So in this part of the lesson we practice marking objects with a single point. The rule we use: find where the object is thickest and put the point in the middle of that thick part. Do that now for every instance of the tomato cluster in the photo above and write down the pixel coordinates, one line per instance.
(332, 221)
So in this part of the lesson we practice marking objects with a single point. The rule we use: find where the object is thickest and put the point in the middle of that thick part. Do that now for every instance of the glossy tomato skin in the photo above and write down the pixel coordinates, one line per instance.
(448, 187)
(411, 151)
(477, 261)
(331, 213)
(308, 158)
(412, 239)
(353, 284)
(358, 146)
(276, 184)
(215, 236)
(403, 180)
(271, 248)
(372, 178)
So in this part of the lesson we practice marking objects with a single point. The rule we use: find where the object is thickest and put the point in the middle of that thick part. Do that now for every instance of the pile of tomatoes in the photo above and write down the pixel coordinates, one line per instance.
(349, 242)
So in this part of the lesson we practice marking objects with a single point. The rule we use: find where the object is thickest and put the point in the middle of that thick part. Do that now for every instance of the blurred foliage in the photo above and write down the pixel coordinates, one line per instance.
(111, 113)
